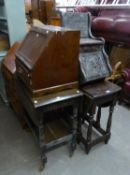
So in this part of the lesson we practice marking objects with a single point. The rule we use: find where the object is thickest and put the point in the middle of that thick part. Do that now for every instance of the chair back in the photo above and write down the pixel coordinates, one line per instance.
(79, 21)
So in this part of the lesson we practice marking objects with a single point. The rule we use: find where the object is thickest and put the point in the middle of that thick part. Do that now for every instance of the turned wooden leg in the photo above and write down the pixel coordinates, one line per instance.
(109, 122)
(79, 121)
(79, 131)
(98, 117)
(89, 133)
(74, 130)
(42, 141)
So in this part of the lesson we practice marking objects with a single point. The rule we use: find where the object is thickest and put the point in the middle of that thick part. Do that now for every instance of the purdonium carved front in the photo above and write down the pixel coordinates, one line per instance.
(94, 64)
(98, 93)
(47, 59)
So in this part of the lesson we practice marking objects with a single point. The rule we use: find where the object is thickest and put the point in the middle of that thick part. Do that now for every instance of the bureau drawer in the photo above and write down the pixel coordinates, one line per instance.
(24, 74)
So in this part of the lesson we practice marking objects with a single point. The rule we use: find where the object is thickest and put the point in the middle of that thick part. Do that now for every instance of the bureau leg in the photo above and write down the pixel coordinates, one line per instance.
(79, 125)
(89, 133)
(74, 131)
(43, 161)
(79, 120)
(42, 142)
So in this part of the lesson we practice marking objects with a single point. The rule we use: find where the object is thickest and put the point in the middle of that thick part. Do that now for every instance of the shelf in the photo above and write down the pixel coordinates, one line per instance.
(3, 24)
(1, 4)
(3, 18)
(4, 31)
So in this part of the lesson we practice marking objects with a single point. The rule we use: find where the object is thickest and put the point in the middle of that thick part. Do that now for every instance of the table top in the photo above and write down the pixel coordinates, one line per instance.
(100, 89)
(56, 97)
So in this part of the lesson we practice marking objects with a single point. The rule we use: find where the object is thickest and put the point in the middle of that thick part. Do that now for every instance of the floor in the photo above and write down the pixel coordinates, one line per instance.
(19, 154)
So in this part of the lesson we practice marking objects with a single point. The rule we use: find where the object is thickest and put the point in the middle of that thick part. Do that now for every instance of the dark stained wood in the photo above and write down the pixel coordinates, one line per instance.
(47, 60)
(97, 95)
(46, 9)
(35, 5)
(54, 20)
(36, 110)
(9, 69)
(100, 89)
(9, 60)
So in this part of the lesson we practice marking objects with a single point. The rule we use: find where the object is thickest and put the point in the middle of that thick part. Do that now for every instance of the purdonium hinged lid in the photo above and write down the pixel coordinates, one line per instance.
(94, 65)
(47, 59)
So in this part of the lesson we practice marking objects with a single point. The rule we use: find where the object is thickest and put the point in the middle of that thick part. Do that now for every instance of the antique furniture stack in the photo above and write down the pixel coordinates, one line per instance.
(52, 77)
(44, 10)
(47, 80)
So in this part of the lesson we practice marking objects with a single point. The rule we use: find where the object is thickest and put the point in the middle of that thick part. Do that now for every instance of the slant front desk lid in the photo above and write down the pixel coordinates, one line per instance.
(48, 57)
(38, 40)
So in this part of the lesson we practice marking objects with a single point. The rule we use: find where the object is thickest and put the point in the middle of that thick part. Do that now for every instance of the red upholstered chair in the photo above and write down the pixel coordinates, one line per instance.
(113, 24)
(126, 86)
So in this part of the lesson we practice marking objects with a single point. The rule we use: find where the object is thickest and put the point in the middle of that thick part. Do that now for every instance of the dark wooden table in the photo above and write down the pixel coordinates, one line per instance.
(35, 108)
(99, 94)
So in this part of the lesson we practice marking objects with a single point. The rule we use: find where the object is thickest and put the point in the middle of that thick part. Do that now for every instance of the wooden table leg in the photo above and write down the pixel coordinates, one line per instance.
(90, 125)
(89, 134)
(79, 120)
(109, 121)
(98, 117)
(74, 130)
(42, 140)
